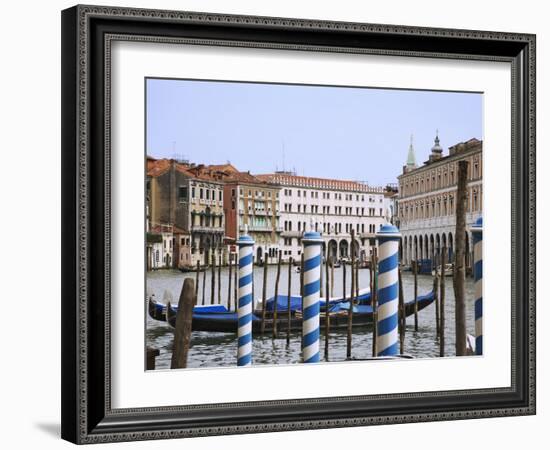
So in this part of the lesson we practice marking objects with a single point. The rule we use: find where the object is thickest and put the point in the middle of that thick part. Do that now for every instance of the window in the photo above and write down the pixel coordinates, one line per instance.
(207, 194)
(182, 193)
(192, 192)
(201, 193)
(220, 195)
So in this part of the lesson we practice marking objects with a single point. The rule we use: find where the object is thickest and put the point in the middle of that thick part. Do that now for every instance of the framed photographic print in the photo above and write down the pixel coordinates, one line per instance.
(283, 224)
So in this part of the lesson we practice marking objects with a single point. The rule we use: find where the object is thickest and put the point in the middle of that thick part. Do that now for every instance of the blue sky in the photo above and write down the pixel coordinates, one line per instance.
(335, 132)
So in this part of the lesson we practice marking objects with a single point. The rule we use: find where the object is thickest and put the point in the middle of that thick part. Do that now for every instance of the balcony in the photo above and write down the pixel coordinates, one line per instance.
(266, 229)
(205, 229)
(435, 222)
(367, 235)
(291, 234)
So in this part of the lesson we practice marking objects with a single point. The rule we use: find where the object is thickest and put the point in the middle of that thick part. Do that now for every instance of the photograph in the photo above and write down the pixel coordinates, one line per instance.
(300, 223)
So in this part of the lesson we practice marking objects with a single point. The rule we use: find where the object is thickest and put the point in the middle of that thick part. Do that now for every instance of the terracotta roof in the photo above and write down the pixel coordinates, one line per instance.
(162, 228)
(319, 183)
(214, 173)
(178, 230)
(226, 168)
(226, 173)
(157, 167)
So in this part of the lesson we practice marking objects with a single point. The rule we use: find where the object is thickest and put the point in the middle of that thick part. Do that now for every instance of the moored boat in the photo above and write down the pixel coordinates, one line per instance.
(222, 320)
(448, 270)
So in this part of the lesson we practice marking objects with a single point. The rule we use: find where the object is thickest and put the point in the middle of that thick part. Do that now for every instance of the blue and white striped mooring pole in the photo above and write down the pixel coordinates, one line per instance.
(312, 284)
(244, 312)
(388, 290)
(477, 237)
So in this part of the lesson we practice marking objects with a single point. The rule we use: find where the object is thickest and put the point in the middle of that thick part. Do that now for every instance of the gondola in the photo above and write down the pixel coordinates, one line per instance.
(157, 310)
(226, 321)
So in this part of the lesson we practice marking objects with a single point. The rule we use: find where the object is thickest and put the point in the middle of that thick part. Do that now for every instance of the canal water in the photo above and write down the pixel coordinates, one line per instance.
(210, 349)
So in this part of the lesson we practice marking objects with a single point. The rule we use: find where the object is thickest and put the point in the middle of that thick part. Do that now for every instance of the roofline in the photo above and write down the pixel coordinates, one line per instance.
(443, 159)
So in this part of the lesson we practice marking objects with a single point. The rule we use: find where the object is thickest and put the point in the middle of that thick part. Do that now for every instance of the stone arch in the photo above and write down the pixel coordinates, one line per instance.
(432, 250)
(344, 248)
(355, 246)
(426, 247)
(467, 251)
(437, 252)
(333, 249)
(450, 252)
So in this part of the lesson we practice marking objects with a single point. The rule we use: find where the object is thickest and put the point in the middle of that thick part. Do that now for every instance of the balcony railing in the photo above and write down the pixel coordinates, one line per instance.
(291, 234)
(205, 229)
(435, 222)
(267, 229)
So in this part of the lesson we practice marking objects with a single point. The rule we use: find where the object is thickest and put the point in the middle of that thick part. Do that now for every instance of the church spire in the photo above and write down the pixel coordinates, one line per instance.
(411, 158)
(437, 150)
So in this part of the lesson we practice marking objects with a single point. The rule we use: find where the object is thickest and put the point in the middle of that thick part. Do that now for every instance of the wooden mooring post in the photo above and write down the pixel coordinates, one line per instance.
(343, 281)
(275, 305)
(152, 353)
(288, 311)
(229, 280)
(374, 303)
(442, 307)
(460, 271)
(264, 296)
(437, 303)
(220, 277)
(331, 276)
(327, 309)
(415, 273)
(402, 314)
(321, 286)
(349, 340)
(204, 278)
(197, 280)
(184, 318)
(213, 277)
(253, 293)
(302, 294)
(236, 283)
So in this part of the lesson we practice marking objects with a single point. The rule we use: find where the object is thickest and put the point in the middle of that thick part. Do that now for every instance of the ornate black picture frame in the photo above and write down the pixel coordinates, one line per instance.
(87, 33)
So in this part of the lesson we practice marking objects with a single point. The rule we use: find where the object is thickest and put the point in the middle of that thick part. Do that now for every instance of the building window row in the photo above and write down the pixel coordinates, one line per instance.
(438, 178)
(439, 207)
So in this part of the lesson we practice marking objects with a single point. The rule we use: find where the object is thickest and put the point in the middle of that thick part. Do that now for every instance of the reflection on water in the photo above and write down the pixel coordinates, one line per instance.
(220, 349)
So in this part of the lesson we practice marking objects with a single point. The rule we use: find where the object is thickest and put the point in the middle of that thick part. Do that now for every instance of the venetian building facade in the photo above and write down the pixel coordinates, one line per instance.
(250, 204)
(332, 207)
(427, 201)
(180, 196)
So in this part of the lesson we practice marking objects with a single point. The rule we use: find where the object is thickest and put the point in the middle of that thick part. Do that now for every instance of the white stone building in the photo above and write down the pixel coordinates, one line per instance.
(160, 247)
(427, 201)
(332, 207)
